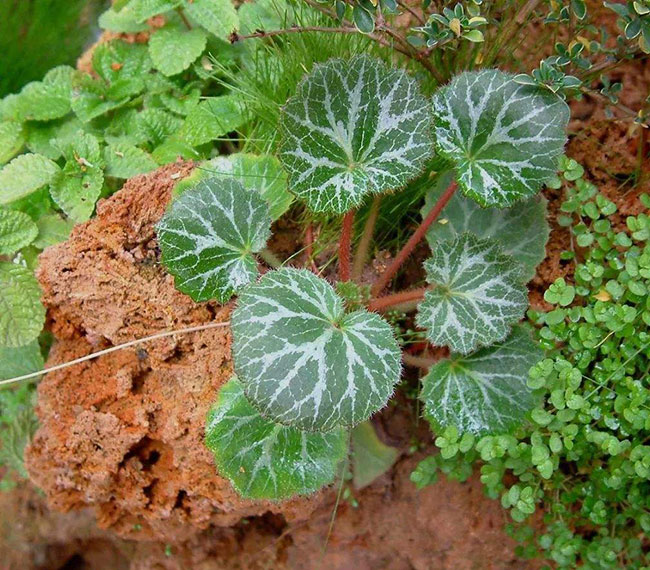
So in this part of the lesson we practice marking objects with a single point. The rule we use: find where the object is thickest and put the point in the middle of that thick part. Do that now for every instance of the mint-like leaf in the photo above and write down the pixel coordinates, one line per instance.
(21, 313)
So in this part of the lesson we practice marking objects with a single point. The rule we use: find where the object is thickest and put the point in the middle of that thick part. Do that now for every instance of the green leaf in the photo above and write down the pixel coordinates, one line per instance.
(144, 9)
(504, 138)
(91, 98)
(371, 457)
(52, 229)
(78, 186)
(303, 361)
(263, 15)
(17, 230)
(173, 50)
(265, 460)
(12, 139)
(212, 119)
(18, 361)
(21, 314)
(484, 392)
(48, 99)
(124, 21)
(125, 161)
(263, 174)
(218, 17)
(478, 294)
(521, 230)
(353, 128)
(156, 125)
(43, 138)
(118, 61)
(209, 235)
(25, 174)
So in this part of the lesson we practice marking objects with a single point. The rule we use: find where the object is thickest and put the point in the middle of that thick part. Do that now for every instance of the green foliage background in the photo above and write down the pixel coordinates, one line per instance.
(36, 35)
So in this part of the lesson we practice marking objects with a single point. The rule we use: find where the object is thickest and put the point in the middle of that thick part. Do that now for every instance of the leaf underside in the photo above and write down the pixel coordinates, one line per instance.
(354, 127)
(208, 237)
(485, 392)
(306, 363)
(521, 230)
(503, 138)
(478, 294)
(266, 460)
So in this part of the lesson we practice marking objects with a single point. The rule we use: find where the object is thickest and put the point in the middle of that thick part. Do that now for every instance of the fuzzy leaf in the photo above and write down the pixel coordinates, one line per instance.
(218, 17)
(209, 235)
(17, 361)
(124, 21)
(78, 186)
(305, 362)
(25, 174)
(17, 230)
(504, 138)
(263, 15)
(91, 98)
(173, 50)
(21, 313)
(44, 138)
(354, 127)
(52, 229)
(265, 460)
(484, 392)
(478, 294)
(521, 230)
(212, 119)
(144, 9)
(118, 60)
(48, 99)
(12, 138)
(126, 161)
(156, 125)
(263, 174)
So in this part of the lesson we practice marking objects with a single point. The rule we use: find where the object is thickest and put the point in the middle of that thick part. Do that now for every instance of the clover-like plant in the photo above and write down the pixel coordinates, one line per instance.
(311, 364)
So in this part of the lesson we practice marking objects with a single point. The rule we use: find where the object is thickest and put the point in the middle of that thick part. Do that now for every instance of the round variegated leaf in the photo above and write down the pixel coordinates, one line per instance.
(503, 138)
(267, 460)
(209, 235)
(354, 127)
(305, 362)
(478, 294)
(486, 391)
(521, 230)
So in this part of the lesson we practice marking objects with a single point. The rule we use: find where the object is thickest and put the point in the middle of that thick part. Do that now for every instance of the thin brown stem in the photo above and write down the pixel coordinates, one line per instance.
(389, 301)
(417, 361)
(181, 13)
(366, 239)
(235, 37)
(411, 11)
(309, 247)
(345, 245)
(417, 236)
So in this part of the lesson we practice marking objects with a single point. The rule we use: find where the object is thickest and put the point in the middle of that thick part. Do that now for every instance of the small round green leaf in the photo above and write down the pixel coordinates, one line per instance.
(303, 361)
(478, 294)
(173, 50)
(17, 230)
(17, 361)
(503, 138)
(484, 392)
(354, 127)
(266, 460)
(521, 230)
(209, 235)
(21, 313)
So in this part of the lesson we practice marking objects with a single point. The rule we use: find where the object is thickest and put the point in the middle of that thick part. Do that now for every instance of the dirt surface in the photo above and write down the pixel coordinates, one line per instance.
(124, 433)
